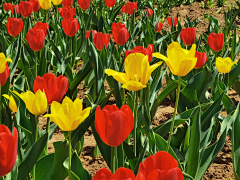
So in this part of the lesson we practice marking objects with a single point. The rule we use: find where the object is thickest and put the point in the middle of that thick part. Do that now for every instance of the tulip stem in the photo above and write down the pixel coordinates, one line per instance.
(135, 124)
(47, 130)
(35, 52)
(174, 114)
(113, 159)
(36, 137)
(70, 51)
(70, 155)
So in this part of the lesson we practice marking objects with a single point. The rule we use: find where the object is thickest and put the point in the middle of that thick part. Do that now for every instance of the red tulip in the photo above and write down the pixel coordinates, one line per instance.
(67, 2)
(201, 59)
(129, 8)
(54, 87)
(100, 40)
(7, 6)
(14, 26)
(3, 79)
(25, 8)
(114, 125)
(67, 12)
(70, 26)
(8, 149)
(43, 26)
(158, 27)
(84, 4)
(87, 34)
(110, 3)
(149, 12)
(158, 167)
(120, 33)
(188, 35)
(175, 21)
(36, 5)
(139, 49)
(16, 7)
(216, 41)
(120, 174)
(35, 38)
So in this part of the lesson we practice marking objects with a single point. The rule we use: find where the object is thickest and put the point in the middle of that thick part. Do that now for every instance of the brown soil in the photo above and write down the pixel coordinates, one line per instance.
(222, 167)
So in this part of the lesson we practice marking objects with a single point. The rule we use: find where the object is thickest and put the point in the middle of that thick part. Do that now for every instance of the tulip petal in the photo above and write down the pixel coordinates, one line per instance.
(145, 71)
(186, 66)
(160, 56)
(133, 85)
(120, 77)
(84, 114)
(192, 52)
(77, 104)
(174, 173)
(102, 174)
(55, 107)
(133, 63)
(54, 118)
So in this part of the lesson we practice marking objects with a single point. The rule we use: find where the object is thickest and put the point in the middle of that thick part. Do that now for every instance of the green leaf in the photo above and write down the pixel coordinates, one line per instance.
(44, 167)
(31, 157)
(194, 146)
(236, 142)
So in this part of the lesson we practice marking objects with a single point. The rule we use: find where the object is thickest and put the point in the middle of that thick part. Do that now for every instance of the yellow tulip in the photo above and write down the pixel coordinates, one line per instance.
(57, 2)
(224, 65)
(12, 102)
(69, 114)
(45, 4)
(3, 62)
(35, 103)
(179, 60)
(138, 72)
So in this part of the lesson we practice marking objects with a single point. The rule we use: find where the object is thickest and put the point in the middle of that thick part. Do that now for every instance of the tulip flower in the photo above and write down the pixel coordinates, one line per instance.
(69, 114)
(100, 40)
(45, 4)
(120, 33)
(4, 76)
(84, 4)
(57, 2)
(35, 103)
(174, 23)
(14, 26)
(139, 49)
(216, 41)
(54, 87)
(114, 125)
(158, 27)
(67, 2)
(67, 12)
(43, 26)
(35, 38)
(120, 174)
(7, 6)
(3, 62)
(159, 166)
(8, 149)
(149, 12)
(87, 34)
(224, 65)
(36, 5)
(201, 59)
(25, 8)
(12, 103)
(70, 26)
(110, 3)
(180, 61)
(137, 72)
(129, 8)
(188, 35)
(15, 7)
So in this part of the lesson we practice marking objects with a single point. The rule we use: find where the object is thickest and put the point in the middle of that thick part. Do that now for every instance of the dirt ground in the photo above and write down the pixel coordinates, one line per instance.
(222, 168)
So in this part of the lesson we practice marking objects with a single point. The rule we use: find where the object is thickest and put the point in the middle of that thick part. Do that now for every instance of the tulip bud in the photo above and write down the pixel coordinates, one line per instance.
(70, 26)
(25, 8)
(14, 26)
(35, 38)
